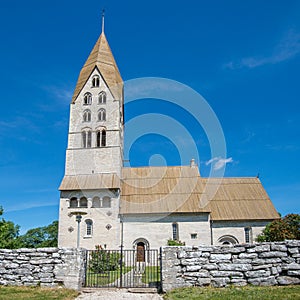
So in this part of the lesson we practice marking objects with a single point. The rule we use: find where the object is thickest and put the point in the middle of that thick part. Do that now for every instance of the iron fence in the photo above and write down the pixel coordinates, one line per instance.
(123, 268)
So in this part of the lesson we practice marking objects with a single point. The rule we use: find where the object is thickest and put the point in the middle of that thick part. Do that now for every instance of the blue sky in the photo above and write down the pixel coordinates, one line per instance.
(243, 57)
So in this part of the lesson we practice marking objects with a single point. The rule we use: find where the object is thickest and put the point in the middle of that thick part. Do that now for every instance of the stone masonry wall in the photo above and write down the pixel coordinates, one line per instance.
(42, 267)
(219, 266)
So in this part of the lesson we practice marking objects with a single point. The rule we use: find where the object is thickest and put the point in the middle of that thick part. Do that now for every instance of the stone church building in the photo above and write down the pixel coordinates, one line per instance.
(144, 206)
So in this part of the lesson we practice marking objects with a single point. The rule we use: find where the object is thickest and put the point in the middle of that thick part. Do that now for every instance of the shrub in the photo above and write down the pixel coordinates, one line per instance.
(104, 260)
(287, 228)
(175, 243)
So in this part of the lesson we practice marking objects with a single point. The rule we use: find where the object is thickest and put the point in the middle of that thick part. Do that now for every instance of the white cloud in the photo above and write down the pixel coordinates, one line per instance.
(287, 48)
(219, 162)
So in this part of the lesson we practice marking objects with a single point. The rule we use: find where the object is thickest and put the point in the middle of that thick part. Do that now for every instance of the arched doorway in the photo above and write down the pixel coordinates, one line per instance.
(140, 252)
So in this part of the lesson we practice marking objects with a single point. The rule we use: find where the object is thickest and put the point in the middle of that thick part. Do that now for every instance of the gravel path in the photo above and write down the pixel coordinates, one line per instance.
(117, 294)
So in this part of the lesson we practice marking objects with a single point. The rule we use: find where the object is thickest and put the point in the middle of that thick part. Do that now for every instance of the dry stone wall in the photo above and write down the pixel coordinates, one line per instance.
(219, 266)
(42, 267)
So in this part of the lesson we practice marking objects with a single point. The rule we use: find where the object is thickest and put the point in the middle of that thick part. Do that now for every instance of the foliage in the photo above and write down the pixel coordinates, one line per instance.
(34, 238)
(235, 293)
(8, 233)
(287, 228)
(104, 260)
(36, 293)
(40, 237)
(175, 243)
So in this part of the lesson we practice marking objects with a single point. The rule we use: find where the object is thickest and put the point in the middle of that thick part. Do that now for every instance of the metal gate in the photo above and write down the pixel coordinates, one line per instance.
(138, 268)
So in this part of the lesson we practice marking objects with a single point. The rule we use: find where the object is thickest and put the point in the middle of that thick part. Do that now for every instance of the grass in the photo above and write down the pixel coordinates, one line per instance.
(151, 274)
(102, 279)
(235, 293)
(36, 293)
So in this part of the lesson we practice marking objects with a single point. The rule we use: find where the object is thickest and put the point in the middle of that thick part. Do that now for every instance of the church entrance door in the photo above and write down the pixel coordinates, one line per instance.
(140, 249)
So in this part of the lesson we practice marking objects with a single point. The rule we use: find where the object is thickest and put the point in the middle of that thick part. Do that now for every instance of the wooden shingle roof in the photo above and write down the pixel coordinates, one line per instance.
(90, 182)
(182, 190)
(241, 199)
(102, 58)
(161, 190)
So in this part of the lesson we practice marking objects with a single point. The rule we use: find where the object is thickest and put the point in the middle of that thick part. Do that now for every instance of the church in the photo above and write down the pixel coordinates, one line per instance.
(104, 203)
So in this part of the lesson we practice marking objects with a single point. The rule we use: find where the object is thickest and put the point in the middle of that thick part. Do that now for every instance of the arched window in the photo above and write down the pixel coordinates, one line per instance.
(96, 202)
(175, 232)
(227, 240)
(102, 115)
(102, 98)
(87, 99)
(73, 202)
(106, 202)
(86, 138)
(101, 138)
(95, 81)
(83, 202)
(89, 227)
(87, 116)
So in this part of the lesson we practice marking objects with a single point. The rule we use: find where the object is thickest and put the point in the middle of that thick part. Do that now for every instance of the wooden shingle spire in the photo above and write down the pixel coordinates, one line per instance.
(102, 58)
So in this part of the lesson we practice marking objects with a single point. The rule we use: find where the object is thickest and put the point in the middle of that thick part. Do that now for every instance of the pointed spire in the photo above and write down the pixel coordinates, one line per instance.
(102, 58)
(103, 15)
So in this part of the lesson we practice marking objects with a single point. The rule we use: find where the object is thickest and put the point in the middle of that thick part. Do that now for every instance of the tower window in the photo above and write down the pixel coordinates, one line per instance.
(95, 81)
(83, 202)
(87, 138)
(102, 98)
(89, 227)
(87, 116)
(106, 202)
(101, 138)
(175, 232)
(96, 202)
(73, 202)
(87, 99)
(102, 115)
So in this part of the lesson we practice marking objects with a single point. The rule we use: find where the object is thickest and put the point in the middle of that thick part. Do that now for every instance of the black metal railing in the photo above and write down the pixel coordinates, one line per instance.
(122, 268)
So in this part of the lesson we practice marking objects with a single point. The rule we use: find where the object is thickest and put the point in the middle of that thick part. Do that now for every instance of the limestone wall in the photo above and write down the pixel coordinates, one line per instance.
(42, 267)
(219, 266)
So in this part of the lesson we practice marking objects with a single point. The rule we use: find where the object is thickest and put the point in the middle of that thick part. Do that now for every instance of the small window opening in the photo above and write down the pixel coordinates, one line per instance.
(175, 232)
(86, 138)
(247, 235)
(102, 115)
(96, 202)
(87, 99)
(96, 81)
(102, 98)
(87, 116)
(83, 202)
(101, 138)
(73, 202)
(106, 202)
(89, 227)
(193, 236)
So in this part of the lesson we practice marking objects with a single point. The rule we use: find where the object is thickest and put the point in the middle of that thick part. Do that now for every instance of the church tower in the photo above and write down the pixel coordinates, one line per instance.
(94, 156)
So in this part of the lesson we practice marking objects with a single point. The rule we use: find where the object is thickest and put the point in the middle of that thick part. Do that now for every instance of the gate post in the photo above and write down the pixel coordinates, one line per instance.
(160, 271)
(121, 267)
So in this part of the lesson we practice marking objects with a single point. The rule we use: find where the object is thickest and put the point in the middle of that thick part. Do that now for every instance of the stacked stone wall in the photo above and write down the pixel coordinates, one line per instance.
(42, 267)
(264, 264)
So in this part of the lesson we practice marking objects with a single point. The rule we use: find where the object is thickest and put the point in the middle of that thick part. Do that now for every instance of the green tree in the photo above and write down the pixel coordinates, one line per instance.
(9, 233)
(40, 237)
(286, 228)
